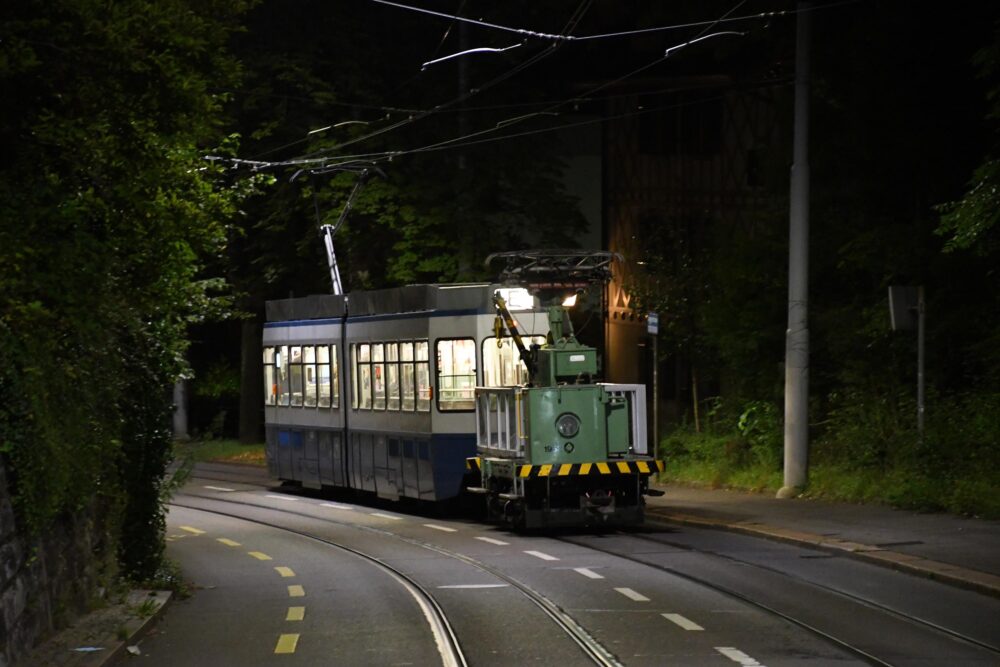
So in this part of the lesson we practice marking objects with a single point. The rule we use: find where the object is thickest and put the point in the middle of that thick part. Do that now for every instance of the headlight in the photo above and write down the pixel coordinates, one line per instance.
(568, 425)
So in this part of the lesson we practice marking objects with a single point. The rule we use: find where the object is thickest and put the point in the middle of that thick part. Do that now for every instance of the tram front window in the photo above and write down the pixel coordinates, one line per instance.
(502, 365)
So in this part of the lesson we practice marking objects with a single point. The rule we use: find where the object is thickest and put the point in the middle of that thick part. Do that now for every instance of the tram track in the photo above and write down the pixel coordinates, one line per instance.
(771, 610)
(594, 651)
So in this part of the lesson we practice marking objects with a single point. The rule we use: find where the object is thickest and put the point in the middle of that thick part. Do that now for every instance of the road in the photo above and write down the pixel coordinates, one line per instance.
(283, 577)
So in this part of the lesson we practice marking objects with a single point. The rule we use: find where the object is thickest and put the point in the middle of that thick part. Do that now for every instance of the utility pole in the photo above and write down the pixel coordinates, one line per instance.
(797, 335)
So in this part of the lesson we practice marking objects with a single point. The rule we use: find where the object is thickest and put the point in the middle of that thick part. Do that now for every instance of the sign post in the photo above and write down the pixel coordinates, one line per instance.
(653, 328)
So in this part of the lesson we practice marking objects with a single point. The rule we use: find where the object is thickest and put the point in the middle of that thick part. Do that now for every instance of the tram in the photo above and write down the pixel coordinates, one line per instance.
(375, 390)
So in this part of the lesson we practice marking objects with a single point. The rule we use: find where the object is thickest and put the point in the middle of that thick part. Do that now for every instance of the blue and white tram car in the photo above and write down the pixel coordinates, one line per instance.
(375, 391)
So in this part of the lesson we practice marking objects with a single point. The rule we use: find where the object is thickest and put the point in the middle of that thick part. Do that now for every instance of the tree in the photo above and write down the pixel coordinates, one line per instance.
(107, 215)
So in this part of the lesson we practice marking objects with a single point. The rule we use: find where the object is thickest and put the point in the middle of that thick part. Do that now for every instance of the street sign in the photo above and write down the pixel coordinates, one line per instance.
(653, 323)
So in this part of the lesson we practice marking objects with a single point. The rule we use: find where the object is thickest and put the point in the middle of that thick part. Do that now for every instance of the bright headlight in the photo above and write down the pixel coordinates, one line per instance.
(568, 425)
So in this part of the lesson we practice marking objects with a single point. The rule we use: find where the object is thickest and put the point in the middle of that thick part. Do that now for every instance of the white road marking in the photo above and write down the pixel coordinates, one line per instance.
(193, 531)
(685, 623)
(228, 542)
(738, 656)
(445, 529)
(219, 488)
(337, 506)
(629, 593)
(277, 497)
(499, 543)
(476, 586)
(587, 572)
(387, 516)
(539, 554)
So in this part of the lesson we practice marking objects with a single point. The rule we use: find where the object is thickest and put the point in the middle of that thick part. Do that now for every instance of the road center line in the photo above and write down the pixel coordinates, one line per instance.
(287, 643)
(445, 529)
(228, 542)
(738, 656)
(277, 497)
(475, 586)
(587, 572)
(296, 591)
(284, 571)
(387, 516)
(490, 540)
(539, 554)
(629, 593)
(259, 555)
(193, 531)
(685, 623)
(295, 614)
(218, 488)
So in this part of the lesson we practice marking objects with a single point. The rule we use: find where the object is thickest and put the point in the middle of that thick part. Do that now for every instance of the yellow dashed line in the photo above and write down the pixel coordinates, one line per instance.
(296, 614)
(287, 643)
(296, 591)
(193, 531)
(228, 542)
(259, 556)
(285, 571)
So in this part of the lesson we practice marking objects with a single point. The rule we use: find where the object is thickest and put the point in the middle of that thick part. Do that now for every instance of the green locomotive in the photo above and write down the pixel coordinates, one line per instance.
(562, 450)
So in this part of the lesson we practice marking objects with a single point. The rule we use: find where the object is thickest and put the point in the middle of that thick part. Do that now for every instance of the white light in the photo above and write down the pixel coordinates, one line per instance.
(517, 298)
(569, 301)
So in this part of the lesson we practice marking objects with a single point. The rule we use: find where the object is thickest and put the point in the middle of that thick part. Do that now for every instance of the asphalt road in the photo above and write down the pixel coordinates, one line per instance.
(380, 586)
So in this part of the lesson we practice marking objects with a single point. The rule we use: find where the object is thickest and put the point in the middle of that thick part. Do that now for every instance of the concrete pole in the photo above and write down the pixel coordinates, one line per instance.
(797, 335)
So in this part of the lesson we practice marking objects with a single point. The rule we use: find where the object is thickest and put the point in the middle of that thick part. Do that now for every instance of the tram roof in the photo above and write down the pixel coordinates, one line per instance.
(408, 299)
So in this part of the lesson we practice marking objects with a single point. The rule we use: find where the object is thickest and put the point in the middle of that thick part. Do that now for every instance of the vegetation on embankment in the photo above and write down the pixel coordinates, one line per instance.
(866, 453)
(225, 451)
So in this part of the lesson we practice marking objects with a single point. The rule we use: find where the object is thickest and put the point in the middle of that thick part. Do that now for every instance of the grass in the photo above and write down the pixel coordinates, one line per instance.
(226, 451)
(721, 461)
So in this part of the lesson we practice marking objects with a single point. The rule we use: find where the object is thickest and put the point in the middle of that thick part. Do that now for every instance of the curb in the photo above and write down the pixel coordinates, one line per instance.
(95, 639)
(137, 626)
(974, 580)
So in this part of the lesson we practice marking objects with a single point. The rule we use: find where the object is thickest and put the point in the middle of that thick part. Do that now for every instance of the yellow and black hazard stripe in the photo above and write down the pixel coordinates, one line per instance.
(474, 463)
(640, 467)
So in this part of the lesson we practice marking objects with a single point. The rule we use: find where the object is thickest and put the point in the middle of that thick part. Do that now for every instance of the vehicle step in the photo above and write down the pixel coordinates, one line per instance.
(478, 490)
(509, 496)
(656, 493)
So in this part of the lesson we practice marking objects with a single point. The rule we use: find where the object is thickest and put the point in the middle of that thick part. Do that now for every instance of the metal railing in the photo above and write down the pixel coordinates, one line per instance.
(498, 421)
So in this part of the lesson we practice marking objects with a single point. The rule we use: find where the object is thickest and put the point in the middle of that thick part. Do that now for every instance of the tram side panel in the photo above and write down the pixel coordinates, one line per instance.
(303, 411)
(388, 366)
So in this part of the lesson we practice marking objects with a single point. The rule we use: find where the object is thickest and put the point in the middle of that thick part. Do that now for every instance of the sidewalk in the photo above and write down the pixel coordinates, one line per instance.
(956, 550)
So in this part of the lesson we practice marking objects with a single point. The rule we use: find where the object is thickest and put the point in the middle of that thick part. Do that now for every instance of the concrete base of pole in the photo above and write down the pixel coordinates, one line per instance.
(786, 492)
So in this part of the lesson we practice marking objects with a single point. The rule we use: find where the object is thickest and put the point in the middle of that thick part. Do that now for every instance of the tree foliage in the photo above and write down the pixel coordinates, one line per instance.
(107, 215)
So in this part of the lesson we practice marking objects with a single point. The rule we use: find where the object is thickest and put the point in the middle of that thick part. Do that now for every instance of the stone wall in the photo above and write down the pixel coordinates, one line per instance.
(47, 581)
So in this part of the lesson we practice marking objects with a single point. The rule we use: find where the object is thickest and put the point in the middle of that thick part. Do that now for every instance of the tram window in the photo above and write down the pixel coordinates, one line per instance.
(378, 376)
(295, 370)
(309, 375)
(423, 376)
(364, 377)
(323, 376)
(354, 376)
(392, 375)
(456, 374)
(281, 363)
(335, 376)
(502, 366)
(408, 393)
(270, 382)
